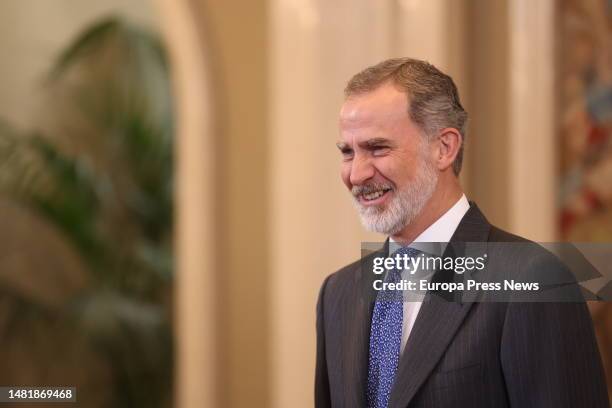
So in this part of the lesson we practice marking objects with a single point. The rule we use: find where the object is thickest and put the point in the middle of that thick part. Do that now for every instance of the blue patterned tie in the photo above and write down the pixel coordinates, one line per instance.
(385, 339)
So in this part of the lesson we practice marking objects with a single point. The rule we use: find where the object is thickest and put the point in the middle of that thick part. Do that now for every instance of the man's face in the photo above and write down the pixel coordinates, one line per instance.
(387, 163)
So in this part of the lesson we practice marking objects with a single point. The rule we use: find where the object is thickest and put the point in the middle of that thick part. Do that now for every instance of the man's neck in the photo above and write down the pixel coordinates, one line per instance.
(438, 204)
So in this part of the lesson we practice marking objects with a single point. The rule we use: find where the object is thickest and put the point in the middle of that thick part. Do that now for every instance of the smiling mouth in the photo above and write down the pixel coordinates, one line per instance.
(374, 195)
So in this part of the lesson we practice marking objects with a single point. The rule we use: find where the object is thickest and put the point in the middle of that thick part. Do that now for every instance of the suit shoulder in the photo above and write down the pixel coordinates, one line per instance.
(499, 235)
(527, 249)
(347, 274)
(532, 260)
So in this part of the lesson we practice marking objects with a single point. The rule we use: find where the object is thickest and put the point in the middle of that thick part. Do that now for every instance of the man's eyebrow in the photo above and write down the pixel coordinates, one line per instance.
(342, 145)
(376, 141)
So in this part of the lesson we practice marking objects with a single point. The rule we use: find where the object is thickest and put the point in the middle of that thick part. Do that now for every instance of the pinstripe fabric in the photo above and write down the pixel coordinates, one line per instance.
(460, 355)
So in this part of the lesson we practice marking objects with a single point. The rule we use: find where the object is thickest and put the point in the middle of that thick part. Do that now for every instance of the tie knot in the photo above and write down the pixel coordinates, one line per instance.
(408, 251)
(402, 262)
(412, 263)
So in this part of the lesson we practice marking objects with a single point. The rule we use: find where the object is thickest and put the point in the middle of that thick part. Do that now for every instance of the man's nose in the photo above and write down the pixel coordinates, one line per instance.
(361, 170)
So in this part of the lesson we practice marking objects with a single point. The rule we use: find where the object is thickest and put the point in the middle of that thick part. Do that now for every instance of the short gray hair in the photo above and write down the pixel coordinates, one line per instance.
(433, 99)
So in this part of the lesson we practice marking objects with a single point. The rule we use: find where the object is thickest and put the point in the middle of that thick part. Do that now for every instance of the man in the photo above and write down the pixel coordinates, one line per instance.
(402, 130)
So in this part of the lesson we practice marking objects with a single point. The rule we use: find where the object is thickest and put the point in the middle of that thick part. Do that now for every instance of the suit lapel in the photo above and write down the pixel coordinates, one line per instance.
(437, 322)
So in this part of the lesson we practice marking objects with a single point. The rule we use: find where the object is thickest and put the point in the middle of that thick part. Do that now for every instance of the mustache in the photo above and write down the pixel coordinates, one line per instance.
(370, 188)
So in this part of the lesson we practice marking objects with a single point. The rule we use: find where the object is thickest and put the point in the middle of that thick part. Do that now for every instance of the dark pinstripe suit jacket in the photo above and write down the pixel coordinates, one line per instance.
(462, 354)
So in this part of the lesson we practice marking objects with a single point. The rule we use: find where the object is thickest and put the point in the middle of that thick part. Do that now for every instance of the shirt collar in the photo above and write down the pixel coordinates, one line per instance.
(442, 230)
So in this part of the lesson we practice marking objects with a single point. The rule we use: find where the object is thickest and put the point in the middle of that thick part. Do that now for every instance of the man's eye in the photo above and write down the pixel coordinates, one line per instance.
(380, 150)
(347, 154)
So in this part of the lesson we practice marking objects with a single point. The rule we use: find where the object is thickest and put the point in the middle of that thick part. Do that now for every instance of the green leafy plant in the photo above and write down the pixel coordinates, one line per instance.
(101, 174)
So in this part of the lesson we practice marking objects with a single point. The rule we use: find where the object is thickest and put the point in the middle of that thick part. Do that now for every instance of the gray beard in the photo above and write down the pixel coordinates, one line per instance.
(405, 205)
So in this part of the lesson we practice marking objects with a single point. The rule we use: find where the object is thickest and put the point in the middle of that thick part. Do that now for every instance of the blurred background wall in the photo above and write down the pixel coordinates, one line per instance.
(261, 215)
(33, 32)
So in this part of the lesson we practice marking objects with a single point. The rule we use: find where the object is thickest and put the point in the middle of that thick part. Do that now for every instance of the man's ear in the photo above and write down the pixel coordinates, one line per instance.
(449, 144)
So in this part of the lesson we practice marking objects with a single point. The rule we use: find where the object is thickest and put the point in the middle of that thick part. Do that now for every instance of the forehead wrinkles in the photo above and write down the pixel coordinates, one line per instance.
(373, 110)
(362, 117)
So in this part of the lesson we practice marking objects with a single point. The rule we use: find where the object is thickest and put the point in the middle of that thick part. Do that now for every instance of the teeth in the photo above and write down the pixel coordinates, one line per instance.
(374, 195)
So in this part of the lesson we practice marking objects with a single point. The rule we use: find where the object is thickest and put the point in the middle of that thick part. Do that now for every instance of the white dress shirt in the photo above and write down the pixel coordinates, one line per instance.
(440, 231)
